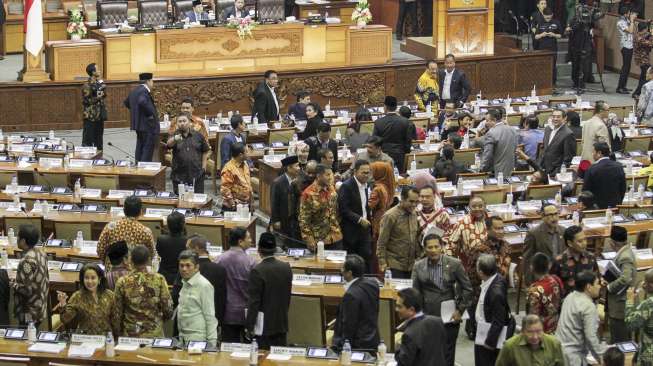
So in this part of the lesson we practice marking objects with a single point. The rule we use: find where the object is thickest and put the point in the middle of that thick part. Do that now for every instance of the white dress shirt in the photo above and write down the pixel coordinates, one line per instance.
(274, 95)
(362, 191)
(446, 87)
(553, 133)
(485, 285)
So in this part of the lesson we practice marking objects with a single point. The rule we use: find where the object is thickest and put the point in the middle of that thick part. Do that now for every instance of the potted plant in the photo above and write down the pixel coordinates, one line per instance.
(362, 14)
(243, 26)
(76, 28)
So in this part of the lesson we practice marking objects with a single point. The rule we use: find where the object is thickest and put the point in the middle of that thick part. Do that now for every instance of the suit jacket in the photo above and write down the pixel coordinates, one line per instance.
(422, 343)
(284, 205)
(143, 113)
(4, 298)
(561, 149)
(627, 263)
(496, 310)
(499, 148)
(217, 275)
(315, 145)
(270, 283)
(311, 126)
(225, 146)
(193, 18)
(230, 11)
(459, 89)
(594, 130)
(538, 240)
(350, 210)
(358, 314)
(2, 13)
(455, 285)
(265, 108)
(607, 180)
(395, 131)
(168, 247)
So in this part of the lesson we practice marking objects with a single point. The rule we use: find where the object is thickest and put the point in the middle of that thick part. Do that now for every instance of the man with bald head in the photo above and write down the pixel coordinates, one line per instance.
(639, 316)
(544, 238)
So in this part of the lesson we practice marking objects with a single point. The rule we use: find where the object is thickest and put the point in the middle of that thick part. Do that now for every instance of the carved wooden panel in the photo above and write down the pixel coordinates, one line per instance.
(539, 71)
(13, 108)
(496, 78)
(57, 112)
(467, 33)
(467, 4)
(221, 43)
(368, 46)
(405, 82)
(69, 63)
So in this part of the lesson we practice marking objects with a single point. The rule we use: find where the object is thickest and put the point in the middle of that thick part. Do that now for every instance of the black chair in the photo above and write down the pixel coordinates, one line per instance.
(153, 12)
(180, 8)
(271, 9)
(111, 12)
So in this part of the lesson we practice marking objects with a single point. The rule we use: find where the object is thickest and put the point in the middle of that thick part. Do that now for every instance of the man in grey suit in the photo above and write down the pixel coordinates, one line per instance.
(439, 278)
(595, 130)
(625, 261)
(499, 145)
(559, 144)
(546, 238)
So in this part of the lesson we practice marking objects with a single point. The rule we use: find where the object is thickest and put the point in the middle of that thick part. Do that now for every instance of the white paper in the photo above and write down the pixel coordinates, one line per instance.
(85, 350)
(277, 357)
(447, 309)
(301, 282)
(240, 354)
(258, 327)
(47, 347)
(127, 347)
(483, 328)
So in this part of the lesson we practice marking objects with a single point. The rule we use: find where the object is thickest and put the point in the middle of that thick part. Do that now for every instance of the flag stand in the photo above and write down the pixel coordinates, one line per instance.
(33, 70)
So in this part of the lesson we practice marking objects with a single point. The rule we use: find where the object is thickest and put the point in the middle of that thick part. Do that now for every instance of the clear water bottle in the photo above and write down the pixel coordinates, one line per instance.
(78, 190)
(563, 169)
(477, 161)
(500, 179)
(534, 92)
(338, 135)
(633, 130)
(4, 257)
(381, 351)
(479, 97)
(31, 332)
(509, 197)
(320, 250)
(345, 355)
(396, 171)
(37, 206)
(640, 193)
(156, 262)
(11, 237)
(14, 183)
(66, 161)
(79, 240)
(295, 138)
(51, 135)
(608, 217)
(558, 199)
(253, 353)
(575, 218)
(109, 348)
(436, 133)
(166, 118)
(460, 186)
(387, 277)
(465, 144)
(413, 165)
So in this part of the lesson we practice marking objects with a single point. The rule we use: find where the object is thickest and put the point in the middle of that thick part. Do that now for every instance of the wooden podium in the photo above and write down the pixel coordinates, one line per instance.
(460, 27)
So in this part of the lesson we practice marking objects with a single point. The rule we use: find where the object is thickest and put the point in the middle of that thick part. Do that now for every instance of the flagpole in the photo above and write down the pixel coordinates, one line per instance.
(33, 68)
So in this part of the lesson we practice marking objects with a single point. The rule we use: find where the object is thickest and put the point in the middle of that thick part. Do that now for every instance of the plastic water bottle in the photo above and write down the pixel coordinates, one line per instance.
(109, 348)
(320, 250)
(253, 353)
(328, 105)
(387, 277)
(14, 183)
(509, 197)
(413, 165)
(66, 160)
(436, 133)
(459, 186)
(575, 218)
(465, 144)
(166, 118)
(11, 237)
(156, 261)
(629, 167)
(78, 189)
(79, 240)
(64, 145)
(381, 350)
(500, 179)
(4, 257)
(477, 161)
(563, 169)
(51, 135)
(608, 217)
(338, 135)
(640, 193)
(31, 332)
(534, 92)
(633, 130)
(345, 355)
(295, 138)
(558, 199)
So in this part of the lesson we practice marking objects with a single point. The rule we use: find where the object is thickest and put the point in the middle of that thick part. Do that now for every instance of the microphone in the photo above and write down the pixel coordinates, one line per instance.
(121, 150)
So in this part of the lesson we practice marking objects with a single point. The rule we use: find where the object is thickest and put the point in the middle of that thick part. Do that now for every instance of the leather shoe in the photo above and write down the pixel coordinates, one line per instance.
(622, 91)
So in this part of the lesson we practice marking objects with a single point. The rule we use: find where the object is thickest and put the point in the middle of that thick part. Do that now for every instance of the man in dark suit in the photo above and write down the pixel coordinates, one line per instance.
(2, 22)
(450, 284)
(422, 343)
(144, 117)
(237, 10)
(454, 86)
(266, 103)
(323, 141)
(395, 132)
(213, 272)
(558, 145)
(492, 311)
(283, 197)
(605, 178)
(355, 213)
(358, 313)
(4, 298)
(197, 13)
(270, 283)
(237, 134)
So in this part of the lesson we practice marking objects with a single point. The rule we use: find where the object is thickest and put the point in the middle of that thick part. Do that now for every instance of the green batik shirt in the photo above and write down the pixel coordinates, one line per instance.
(639, 317)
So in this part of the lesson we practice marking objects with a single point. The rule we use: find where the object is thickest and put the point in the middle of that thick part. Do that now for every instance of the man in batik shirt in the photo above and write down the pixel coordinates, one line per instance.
(437, 218)
(639, 317)
(544, 295)
(318, 212)
(468, 236)
(574, 259)
(236, 187)
(32, 279)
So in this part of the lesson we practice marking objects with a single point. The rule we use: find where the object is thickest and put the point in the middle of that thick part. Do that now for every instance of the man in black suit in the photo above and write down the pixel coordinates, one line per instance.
(558, 145)
(395, 132)
(358, 313)
(422, 343)
(283, 197)
(197, 13)
(454, 86)
(213, 272)
(144, 117)
(4, 298)
(492, 311)
(355, 213)
(2, 22)
(237, 10)
(266, 103)
(270, 283)
(605, 178)
(323, 141)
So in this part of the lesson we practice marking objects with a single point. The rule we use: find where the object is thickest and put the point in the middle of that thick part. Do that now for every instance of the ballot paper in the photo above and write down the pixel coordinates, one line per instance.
(258, 327)
(278, 357)
(482, 330)
(240, 354)
(127, 347)
(447, 309)
(85, 350)
(47, 347)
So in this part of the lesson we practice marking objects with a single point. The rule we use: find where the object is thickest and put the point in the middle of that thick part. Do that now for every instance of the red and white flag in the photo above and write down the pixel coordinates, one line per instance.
(33, 27)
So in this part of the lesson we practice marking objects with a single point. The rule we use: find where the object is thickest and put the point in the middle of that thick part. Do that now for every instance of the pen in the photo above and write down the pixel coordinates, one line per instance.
(145, 358)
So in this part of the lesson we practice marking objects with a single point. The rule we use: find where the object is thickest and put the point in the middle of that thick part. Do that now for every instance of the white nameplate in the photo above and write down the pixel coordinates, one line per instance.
(276, 158)
(135, 341)
(149, 165)
(644, 254)
(335, 253)
(401, 283)
(233, 216)
(86, 338)
(86, 150)
(288, 351)
(309, 278)
(54, 265)
(215, 250)
(51, 162)
(234, 347)
(157, 212)
(91, 193)
(21, 148)
(117, 211)
(80, 163)
(199, 197)
(119, 193)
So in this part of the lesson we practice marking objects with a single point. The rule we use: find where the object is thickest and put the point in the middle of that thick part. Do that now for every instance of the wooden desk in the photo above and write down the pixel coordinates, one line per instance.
(129, 177)
(341, 9)
(219, 50)
(68, 198)
(67, 60)
(54, 29)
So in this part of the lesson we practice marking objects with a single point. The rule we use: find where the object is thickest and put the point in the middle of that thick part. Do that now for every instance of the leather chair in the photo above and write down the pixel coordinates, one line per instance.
(220, 7)
(180, 8)
(111, 12)
(153, 12)
(271, 9)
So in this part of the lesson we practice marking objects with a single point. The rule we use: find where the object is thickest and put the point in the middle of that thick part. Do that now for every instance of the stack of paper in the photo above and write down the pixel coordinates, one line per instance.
(47, 347)
(85, 350)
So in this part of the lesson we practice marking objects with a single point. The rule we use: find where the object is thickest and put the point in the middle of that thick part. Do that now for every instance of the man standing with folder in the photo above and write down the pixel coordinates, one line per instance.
(625, 261)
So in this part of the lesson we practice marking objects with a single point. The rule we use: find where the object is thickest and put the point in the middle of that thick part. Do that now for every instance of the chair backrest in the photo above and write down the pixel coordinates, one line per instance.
(422, 123)
(271, 9)
(367, 127)
(103, 182)
(52, 179)
(148, 204)
(281, 135)
(153, 12)
(514, 119)
(111, 12)
(425, 160)
(306, 325)
(542, 192)
(543, 117)
(590, 214)
(5, 178)
(637, 181)
(15, 222)
(213, 233)
(387, 322)
(68, 230)
(45, 154)
(334, 130)
(621, 110)
(554, 101)
(155, 225)
(220, 7)
(466, 156)
(628, 210)
(637, 143)
(522, 174)
(181, 7)
(491, 196)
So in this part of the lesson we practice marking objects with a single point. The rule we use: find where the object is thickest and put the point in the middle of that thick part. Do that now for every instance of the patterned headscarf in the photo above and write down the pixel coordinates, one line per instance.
(383, 174)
